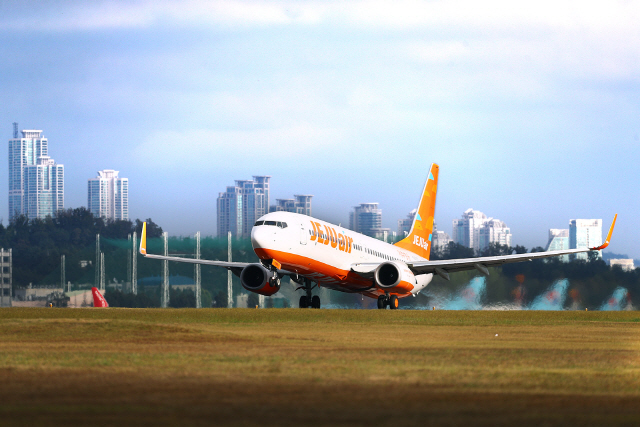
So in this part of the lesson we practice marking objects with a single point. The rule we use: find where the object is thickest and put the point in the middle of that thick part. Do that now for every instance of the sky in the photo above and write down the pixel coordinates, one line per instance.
(531, 109)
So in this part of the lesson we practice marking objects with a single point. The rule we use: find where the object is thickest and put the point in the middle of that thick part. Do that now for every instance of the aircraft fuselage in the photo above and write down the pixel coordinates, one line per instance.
(326, 253)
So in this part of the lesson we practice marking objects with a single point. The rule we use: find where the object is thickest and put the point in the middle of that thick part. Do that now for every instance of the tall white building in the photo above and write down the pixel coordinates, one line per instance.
(626, 264)
(230, 212)
(241, 205)
(585, 233)
(493, 231)
(367, 219)
(301, 203)
(465, 228)
(108, 195)
(440, 238)
(475, 230)
(36, 182)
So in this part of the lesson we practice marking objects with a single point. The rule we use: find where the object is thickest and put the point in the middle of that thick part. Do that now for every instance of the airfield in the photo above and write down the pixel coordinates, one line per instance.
(156, 367)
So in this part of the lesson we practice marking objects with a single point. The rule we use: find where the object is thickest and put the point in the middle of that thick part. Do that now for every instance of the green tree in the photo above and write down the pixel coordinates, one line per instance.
(153, 229)
(495, 249)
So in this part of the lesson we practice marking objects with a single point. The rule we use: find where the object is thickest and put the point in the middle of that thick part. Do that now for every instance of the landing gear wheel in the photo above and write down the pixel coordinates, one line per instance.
(303, 302)
(382, 302)
(393, 302)
(315, 301)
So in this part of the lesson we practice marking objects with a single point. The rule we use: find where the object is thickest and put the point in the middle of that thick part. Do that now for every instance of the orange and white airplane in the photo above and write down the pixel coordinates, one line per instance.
(309, 250)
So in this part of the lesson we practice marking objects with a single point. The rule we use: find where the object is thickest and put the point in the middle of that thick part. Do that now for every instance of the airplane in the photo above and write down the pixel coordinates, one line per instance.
(98, 299)
(309, 250)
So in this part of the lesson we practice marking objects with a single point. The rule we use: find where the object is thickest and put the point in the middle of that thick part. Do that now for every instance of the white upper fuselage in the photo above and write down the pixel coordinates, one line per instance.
(325, 253)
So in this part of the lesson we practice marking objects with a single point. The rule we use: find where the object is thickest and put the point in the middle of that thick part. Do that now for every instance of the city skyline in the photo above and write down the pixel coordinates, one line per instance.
(529, 109)
(242, 204)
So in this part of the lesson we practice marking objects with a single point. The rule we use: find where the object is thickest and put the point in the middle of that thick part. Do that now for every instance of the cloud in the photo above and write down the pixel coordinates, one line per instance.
(200, 148)
(87, 16)
(468, 15)
(497, 15)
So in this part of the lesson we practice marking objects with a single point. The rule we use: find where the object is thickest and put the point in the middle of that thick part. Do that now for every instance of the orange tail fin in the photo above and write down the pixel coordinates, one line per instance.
(420, 237)
(98, 299)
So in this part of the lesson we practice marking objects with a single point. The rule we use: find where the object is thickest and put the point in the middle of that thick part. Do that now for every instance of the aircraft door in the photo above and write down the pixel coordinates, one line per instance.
(303, 235)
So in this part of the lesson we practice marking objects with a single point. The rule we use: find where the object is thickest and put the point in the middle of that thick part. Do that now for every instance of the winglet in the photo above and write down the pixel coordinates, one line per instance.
(143, 239)
(606, 242)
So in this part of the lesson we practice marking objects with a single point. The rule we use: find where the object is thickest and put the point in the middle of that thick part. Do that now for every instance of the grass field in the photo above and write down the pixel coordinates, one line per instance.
(155, 367)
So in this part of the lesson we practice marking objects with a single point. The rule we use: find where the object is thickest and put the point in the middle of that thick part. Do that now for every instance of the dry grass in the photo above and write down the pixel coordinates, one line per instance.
(318, 367)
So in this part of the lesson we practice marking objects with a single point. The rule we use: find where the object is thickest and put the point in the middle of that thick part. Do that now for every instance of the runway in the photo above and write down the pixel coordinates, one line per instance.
(318, 367)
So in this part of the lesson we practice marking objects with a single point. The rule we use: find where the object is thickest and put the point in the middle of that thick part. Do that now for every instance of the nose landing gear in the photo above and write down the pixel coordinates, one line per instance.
(308, 300)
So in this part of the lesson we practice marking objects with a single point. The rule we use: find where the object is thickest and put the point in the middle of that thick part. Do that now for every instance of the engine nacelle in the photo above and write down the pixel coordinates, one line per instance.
(256, 278)
(394, 276)
(387, 275)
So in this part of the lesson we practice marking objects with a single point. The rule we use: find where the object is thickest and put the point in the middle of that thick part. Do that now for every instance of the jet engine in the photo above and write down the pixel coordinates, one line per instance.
(393, 276)
(256, 278)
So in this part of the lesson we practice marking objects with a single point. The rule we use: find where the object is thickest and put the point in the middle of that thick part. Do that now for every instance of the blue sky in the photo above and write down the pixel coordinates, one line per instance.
(531, 110)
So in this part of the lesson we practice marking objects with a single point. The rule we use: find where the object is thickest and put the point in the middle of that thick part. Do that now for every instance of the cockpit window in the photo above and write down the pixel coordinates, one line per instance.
(273, 223)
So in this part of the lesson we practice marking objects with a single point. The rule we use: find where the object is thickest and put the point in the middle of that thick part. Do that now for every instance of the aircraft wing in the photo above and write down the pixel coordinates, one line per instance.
(235, 267)
(443, 267)
(365, 269)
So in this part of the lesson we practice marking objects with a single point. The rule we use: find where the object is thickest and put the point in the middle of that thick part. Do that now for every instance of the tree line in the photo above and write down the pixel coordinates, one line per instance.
(39, 244)
(591, 280)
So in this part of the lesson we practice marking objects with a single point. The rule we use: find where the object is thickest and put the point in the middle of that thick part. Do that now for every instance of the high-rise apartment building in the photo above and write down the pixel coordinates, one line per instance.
(301, 203)
(36, 182)
(585, 233)
(367, 219)
(108, 195)
(440, 238)
(465, 228)
(241, 205)
(626, 264)
(230, 212)
(493, 231)
(475, 230)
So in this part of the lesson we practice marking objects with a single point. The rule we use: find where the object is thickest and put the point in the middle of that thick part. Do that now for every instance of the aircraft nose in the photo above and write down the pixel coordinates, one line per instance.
(259, 236)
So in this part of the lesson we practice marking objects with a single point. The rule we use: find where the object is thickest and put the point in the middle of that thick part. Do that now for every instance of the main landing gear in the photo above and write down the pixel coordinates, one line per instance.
(385, 301)
(308, 300)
